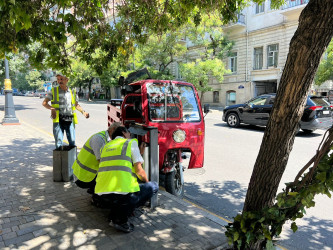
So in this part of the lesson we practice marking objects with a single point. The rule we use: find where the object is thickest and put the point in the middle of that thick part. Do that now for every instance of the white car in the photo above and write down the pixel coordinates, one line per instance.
(29, 93)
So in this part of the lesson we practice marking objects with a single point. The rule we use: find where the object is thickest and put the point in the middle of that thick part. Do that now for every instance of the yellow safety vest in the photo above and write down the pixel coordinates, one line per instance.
(86, 165)
(55, 104)
(116, 172)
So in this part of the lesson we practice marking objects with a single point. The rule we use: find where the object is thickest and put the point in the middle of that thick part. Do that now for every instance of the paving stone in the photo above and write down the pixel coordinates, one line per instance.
(9, 235)
(5, 231)
(26, 230)
(11, 224)
(19, 239)
(26, 225)
(29, 218)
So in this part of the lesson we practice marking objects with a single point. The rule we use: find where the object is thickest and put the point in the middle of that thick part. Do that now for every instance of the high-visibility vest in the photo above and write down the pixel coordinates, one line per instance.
(86, 165)
(55, 104)
(116, 172)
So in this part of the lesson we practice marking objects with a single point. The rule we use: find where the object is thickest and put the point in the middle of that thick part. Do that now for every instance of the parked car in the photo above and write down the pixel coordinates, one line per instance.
(317, 113)
(40, 94)
(43, 95)
(29, 93)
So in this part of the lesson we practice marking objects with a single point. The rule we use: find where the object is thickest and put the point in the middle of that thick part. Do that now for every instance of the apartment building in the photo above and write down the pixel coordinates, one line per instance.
(262, 36)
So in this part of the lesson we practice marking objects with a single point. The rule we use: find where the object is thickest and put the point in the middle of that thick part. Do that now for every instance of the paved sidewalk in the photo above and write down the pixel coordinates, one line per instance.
(37, 213)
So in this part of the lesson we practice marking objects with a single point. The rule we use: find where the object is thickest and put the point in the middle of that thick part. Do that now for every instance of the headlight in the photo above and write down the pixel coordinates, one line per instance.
(179, 135)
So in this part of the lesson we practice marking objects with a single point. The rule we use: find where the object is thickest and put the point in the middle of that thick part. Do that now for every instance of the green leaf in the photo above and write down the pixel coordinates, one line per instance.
(294, 227)
(269, 245)
(321, 176)
(249, 237)
(236, 236)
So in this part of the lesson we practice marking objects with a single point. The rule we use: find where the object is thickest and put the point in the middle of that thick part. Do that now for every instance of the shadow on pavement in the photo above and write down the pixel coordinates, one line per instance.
(36, 212)
(17, 107)
(316, 232)
(221, 198)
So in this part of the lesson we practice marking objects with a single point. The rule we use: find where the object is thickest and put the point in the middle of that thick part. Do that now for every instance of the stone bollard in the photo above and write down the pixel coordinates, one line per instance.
(63, 159)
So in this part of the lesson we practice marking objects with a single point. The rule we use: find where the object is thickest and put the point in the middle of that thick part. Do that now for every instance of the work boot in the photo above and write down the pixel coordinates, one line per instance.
(125, 227)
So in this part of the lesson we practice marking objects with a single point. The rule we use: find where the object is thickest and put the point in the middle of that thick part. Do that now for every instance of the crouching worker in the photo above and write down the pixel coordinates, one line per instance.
(116, 182)
(86, 165)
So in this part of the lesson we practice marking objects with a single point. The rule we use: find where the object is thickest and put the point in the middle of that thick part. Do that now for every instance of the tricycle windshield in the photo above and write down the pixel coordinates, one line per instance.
(170, 102)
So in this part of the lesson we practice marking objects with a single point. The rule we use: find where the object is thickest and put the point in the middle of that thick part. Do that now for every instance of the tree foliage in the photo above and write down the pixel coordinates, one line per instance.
(111, 27)
(18, 68)
(34, 80)
(160, 51)
(211, 47)
(201, 71)
(325, 69)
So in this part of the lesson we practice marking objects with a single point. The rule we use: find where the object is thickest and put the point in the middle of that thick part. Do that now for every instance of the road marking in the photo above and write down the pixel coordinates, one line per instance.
(36, 128)
(226, 220)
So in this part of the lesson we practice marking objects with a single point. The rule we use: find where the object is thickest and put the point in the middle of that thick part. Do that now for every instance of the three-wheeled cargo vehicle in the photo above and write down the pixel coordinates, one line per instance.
(175, 109)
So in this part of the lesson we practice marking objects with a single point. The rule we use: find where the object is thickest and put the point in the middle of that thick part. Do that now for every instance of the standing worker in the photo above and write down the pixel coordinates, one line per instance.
(86, 164)
(119, 168)
(63, 106)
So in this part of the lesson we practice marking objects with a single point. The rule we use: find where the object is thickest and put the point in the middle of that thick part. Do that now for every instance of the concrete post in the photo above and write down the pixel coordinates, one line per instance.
(10, 117)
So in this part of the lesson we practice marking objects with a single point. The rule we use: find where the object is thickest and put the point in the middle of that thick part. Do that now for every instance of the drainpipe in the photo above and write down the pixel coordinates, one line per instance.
(247, 51)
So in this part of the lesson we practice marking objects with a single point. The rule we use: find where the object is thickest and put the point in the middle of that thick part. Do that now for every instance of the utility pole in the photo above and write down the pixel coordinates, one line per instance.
(10, 117)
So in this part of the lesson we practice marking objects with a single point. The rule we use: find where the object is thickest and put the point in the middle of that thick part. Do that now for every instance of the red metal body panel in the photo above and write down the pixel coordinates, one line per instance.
(195, 131)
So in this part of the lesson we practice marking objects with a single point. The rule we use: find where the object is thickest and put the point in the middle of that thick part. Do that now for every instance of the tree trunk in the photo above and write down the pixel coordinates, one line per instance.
(202, 97)
(309, 42)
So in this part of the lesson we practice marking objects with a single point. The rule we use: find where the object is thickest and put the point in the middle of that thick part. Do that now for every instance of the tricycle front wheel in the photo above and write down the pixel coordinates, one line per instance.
(173, 183)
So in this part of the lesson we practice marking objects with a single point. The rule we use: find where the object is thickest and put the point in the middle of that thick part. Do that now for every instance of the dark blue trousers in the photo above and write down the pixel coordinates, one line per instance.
(122, 206)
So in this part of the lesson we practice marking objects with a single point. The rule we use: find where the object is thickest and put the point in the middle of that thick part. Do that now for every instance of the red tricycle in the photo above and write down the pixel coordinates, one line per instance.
(175, 109)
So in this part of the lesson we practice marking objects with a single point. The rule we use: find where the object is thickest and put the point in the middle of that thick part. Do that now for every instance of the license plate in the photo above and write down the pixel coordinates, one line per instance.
(326, 112)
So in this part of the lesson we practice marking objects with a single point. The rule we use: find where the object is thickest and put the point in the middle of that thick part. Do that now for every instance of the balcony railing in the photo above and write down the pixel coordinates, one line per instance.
(294, 3)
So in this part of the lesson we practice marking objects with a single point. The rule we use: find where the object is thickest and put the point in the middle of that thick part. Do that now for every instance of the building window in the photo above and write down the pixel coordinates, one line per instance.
(272, 55)
(258, 58)
(233, 62)
(216, 96)
(260, 8)
(178, 71)
(231, 97)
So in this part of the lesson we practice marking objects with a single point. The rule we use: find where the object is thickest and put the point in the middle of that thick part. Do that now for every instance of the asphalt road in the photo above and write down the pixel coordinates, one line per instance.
(220, 186)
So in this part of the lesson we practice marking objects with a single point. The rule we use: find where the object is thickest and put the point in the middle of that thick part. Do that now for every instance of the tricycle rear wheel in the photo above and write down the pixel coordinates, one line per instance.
(173, 183)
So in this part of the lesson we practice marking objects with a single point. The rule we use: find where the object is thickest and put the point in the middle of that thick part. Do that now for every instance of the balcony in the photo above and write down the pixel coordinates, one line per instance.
(239, 24)
(294, 3)
(292, 8)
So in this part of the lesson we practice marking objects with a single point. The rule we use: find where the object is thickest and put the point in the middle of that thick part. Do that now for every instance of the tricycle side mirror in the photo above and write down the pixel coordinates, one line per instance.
(206, 108)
